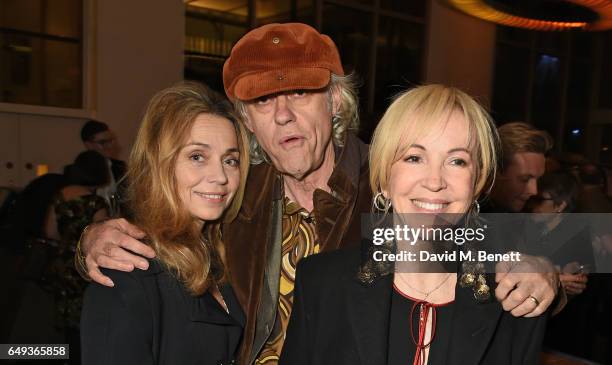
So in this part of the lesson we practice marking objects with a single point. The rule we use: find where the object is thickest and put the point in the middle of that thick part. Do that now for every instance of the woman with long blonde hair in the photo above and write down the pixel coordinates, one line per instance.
(186, 177)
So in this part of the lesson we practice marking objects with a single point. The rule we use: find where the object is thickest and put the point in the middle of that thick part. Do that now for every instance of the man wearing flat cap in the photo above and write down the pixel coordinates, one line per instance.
(306, 190)
(311, 182)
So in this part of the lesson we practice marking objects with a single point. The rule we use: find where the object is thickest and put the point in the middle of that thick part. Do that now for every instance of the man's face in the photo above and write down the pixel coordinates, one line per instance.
(518, 182)
(103, 142)
(294, 129)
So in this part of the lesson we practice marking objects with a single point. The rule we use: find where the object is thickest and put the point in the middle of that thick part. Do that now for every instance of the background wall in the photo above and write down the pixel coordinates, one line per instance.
(134, 62)
(460, 51)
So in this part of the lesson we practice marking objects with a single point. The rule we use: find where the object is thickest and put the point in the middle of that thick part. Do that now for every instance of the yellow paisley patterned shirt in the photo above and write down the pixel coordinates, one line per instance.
(299, 240)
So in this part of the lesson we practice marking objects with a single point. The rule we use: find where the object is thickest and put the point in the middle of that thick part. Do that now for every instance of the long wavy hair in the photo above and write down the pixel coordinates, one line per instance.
(192, 253)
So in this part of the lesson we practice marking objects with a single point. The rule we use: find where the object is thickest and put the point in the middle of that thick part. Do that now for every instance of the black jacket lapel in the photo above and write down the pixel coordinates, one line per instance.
(473, 327)
(368, 311)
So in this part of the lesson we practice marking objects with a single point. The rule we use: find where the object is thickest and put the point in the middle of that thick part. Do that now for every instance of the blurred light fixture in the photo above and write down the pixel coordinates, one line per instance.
(483, 10)
(576, 132)
(42, 169)
(19, 48)
(546, 59)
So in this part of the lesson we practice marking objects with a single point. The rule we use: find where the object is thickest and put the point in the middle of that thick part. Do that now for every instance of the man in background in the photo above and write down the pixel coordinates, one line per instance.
(98, 137)
(524, 151)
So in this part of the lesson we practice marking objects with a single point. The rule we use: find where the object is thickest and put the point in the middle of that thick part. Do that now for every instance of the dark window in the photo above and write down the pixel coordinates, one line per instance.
(41, 52)
(413, 8)
(511, 83)
(547, 93)
(605, 83)
(351, 31)
(399, 47)
(280, 11)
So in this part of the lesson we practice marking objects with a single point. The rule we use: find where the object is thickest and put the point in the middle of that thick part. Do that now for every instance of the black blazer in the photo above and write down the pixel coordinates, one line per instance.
(337, 320)
(149, 318)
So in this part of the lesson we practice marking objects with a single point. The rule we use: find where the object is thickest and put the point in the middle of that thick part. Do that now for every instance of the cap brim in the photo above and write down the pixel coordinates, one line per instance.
(255, 85)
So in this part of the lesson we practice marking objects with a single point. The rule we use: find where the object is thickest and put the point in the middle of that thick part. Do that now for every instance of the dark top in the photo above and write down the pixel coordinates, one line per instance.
(26, 218)
(569, 241)
(74, 215)
(402, 347)
(60, 276)
(338, 320)
(150, 318)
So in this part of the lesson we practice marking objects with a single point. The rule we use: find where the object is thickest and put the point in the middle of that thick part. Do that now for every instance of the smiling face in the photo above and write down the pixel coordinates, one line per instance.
(208, 167)
(436, 173)
(294, 129)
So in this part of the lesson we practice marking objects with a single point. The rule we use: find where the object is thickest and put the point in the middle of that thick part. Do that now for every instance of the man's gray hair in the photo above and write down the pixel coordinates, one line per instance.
(344, 120)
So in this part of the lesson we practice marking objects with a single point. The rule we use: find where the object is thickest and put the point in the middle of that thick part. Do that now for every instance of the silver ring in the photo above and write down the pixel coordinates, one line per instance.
(535, 300)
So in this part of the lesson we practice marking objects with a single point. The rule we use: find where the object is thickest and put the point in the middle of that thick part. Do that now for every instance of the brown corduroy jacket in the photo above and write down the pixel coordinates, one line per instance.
(253, 240)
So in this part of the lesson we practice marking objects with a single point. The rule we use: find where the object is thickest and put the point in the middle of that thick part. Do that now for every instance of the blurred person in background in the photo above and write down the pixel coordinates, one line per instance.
(566, 243)
(523, 162)
(51, 303)
(98, 137)
(594, 199)
(24, 246)
(566, 240)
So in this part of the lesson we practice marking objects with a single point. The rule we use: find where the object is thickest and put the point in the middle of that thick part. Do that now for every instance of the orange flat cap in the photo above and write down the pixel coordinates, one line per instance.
(280, 57)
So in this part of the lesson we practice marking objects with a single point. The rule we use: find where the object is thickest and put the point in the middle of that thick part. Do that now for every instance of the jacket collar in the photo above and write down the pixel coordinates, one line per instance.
(473, 324)
(204, 308)
(264, 179)
(369, 315)
(351, 158)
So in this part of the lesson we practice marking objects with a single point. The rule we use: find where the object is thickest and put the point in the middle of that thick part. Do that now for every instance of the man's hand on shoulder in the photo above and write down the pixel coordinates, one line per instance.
(526, 288)
(114, 244)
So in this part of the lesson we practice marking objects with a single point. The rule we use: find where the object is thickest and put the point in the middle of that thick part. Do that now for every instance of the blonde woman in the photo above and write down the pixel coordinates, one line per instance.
(186, 176)
(434, 153)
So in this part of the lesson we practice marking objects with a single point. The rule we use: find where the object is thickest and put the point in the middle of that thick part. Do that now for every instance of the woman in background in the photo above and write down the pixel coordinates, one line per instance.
(186, 176)
(52, 296)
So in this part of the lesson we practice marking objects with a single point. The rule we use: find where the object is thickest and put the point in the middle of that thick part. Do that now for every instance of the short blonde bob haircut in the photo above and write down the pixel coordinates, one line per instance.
(416, 112)
(190, 252)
